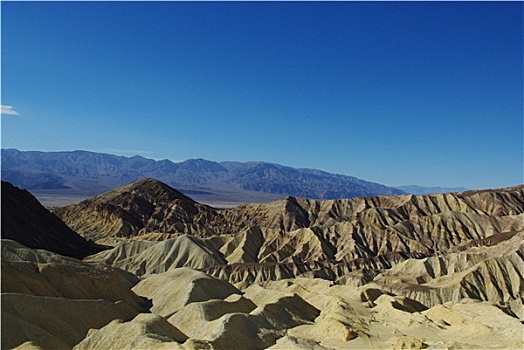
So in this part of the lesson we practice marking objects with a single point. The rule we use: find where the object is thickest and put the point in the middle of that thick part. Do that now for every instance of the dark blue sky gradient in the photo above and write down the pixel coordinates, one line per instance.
(427, 93)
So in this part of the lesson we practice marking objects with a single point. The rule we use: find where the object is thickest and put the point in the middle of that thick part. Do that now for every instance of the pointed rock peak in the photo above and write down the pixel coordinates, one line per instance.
(290, 200)
(150, 182)
(148, 188)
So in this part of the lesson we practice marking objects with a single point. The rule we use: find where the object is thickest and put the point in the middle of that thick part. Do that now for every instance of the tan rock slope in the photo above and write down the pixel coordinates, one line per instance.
(301, 313)
(54, 300)
(403, 272)
(146, 257)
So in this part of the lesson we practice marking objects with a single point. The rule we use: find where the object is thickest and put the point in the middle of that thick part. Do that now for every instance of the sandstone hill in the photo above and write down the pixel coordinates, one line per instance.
(97, 307)
(53, 300)
(443, 271)
(145, 206)
(26, 221)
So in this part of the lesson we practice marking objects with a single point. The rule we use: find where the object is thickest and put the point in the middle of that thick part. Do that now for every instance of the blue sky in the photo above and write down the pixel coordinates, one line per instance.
(426, 93)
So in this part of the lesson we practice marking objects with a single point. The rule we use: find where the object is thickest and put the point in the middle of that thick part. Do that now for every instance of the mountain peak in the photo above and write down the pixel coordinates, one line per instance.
(147, 188)
(146, 205)
(202, 165)
(149, 181)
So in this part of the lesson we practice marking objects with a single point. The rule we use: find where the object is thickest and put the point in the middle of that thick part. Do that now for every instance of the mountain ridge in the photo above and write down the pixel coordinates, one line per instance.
(93, 173)
(419, 190)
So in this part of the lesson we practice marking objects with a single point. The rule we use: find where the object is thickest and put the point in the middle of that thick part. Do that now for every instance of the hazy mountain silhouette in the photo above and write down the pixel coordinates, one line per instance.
(419, 190)
(98, 172)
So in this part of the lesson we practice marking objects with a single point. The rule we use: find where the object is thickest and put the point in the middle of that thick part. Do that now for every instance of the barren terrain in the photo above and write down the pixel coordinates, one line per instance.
(441, 271)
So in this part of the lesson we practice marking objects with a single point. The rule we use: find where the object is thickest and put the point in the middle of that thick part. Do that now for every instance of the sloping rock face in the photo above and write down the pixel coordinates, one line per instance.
(54, 300)
(203, 312)
(303, 313)
(336, 239)
(26, 221)
(145, 331)
(492, 270)
(170, 291)
(147, 257)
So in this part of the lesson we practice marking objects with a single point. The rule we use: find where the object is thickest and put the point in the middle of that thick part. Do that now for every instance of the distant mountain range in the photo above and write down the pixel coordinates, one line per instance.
(420, 190)
(86, 173)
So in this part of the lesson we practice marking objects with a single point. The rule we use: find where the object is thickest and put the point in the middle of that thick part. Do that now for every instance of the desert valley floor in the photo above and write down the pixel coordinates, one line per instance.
(146, 267)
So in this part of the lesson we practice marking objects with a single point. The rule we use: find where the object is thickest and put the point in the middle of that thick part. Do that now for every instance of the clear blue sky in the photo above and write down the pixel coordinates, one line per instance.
(427, 93)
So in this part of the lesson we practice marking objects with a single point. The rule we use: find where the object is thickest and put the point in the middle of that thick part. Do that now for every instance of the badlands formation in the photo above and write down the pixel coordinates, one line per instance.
(146, 267)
